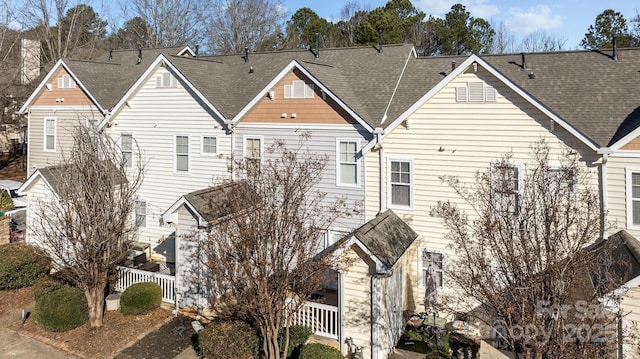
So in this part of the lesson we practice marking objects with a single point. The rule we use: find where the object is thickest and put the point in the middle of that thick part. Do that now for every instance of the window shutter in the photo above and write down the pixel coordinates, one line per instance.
(476, 92)
(308, 91)
(298, 89)
(490, 94)
(461, 94)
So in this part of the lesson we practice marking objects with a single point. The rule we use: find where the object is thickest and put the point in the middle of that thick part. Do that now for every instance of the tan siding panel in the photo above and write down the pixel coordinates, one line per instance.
(72, 96)
(357, 300)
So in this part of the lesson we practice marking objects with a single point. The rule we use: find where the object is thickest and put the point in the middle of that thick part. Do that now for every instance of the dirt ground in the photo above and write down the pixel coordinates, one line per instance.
(119, 332)
(13, 167)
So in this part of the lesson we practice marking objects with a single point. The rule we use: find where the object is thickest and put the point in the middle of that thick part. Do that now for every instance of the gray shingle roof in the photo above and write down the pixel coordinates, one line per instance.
(211, 202)
(594, 93)
(55, 174)
(386, 236)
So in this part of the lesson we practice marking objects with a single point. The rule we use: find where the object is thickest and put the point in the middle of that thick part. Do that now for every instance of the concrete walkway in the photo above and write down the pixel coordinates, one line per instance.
(16, 345)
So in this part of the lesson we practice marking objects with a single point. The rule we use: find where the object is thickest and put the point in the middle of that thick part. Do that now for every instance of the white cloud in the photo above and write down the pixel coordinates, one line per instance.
(537, 18)
(477, 8)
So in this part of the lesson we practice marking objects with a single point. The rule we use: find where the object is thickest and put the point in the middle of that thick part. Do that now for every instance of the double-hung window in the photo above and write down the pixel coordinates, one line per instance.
(506, 181)
(141, 214)
(126, 146)
(432, 259)
(253, 148)
(50, 134)
(209, 145)
(347, 162)
(401, 183)
(182, 153)
(633, 198)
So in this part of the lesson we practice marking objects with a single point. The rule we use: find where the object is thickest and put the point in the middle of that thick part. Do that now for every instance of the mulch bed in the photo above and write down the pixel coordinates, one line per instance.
(117, 334)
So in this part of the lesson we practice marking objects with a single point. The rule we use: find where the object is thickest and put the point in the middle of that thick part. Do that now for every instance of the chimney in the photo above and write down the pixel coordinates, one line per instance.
(197, 50)
(317, 45)
(524, 63)
(615, 48)
(453, 65)
(139, 54)
(246, 54)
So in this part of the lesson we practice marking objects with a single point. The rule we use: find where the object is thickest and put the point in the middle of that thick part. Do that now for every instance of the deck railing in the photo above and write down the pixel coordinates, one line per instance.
(128, 276)
(321, 318)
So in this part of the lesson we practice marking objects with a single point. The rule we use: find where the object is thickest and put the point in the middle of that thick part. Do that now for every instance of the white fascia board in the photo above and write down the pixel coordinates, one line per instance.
(186, 49)
(24, 189)
(380, 267)
(174, 207)
(295, 64)
(460, 69)
(161, 59)
(43, 83)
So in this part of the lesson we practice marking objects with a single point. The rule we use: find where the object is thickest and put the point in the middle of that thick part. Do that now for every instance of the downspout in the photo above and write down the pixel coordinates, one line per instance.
(28, 139)
(378, 133)
(605, 197)
(231, 131)
(340, 311)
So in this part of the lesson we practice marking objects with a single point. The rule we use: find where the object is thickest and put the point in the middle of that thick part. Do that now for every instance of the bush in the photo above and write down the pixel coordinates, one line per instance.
(319, 351)
(21, 265)
(6, 203)
(141, 298)
(298, 335)
(61, 310)
(228, 340)
(47, 284)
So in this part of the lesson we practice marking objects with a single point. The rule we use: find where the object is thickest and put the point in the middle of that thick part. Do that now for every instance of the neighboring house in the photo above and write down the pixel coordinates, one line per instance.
(390, 123)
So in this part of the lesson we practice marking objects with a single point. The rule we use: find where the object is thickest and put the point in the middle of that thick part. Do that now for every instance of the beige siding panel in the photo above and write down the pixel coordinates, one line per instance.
(66, 120)
(61, 96)
(631, 307)
(446, 138)
(38, 193)
(308, 110)
(357, 300)
(154, 117)
(617, 191)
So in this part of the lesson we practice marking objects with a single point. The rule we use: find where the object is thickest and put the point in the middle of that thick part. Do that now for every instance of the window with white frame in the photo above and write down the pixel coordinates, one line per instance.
(126, 146)
(209, 145)
(428, 258)
(253, 148)
(506, 182)
(299, 89)
(141, 214)
(182, 153)
(329, 237)
(347, 162)
(401, 183)
(562, 179)
(633, 198)
(50, 134)
(66, 82)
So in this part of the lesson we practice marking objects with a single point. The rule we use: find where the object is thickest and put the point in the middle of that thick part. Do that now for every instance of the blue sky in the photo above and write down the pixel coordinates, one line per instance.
(566, 19)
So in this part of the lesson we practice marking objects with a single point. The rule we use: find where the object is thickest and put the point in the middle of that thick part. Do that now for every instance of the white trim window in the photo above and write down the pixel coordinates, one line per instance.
(506, 187)
(66, 82)
(401, 183)
(347, 169)
(209, 145)
(182, 153)
(49, 133)
(253, 147)
(633, 198)
(126, 147)
(436, 259)
(330, 237)
(140, 214)
(565, 178)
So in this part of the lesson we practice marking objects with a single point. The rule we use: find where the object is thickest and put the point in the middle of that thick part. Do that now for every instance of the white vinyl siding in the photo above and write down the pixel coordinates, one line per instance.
(401, 184)
(209, 145)
(50, 134)
(253, 148)
(140, 214)
(182, 153)
(633, 198)
(347, 162)
(298, 89)
(436, 259)
(66, 82)
(126, 146)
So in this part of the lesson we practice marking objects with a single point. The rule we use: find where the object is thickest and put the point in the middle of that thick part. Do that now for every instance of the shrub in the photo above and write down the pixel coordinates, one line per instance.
(298, 335)
(47, 284)
(228, 340)
(140, 298)
(61, 310)
(319, 351)
(21, 265)
(6, 203)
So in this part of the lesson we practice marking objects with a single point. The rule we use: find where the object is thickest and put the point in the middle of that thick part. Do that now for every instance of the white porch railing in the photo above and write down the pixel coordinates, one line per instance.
(321, 318)
(128, 276)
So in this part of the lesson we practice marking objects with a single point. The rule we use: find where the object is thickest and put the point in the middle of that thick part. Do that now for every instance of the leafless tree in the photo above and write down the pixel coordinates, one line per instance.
(169, 22)
(236, 24)
(541, 41)
(503, 40)
(352, 14)
(263, 252)
(86, 226)
(527, 256)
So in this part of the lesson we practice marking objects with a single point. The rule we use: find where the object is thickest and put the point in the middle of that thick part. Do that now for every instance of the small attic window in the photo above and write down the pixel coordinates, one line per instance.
(475, 91)
(66, 82)
(298, 89)
(166, 81)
